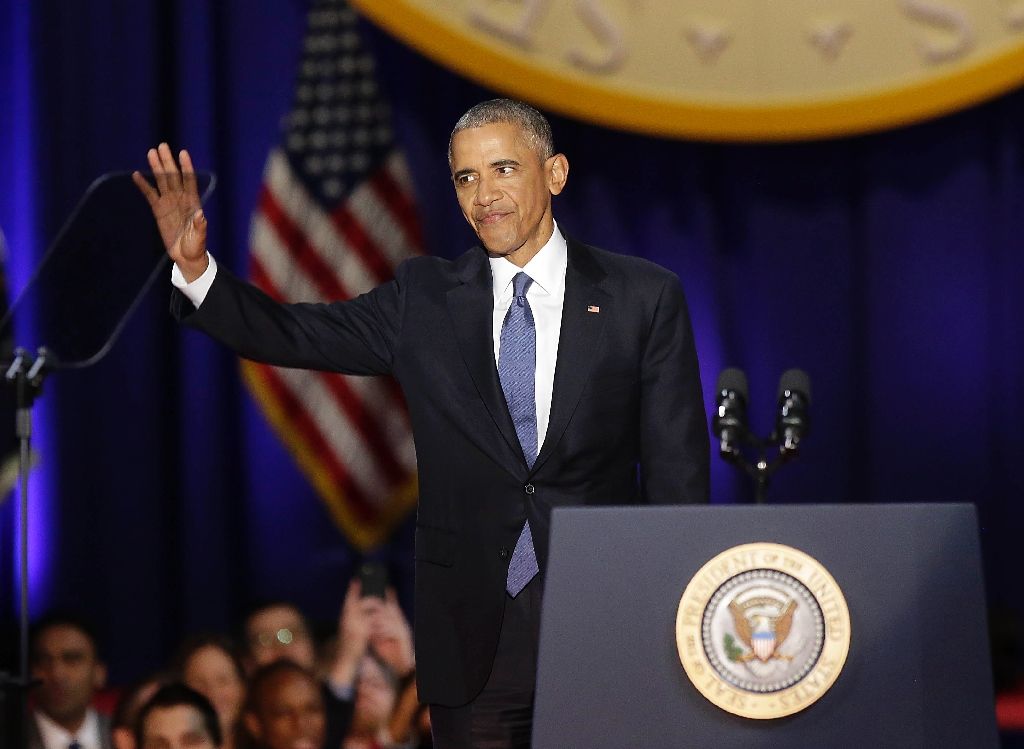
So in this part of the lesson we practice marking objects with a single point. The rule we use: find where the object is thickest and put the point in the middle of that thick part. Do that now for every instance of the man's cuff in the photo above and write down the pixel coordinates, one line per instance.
(198, 289)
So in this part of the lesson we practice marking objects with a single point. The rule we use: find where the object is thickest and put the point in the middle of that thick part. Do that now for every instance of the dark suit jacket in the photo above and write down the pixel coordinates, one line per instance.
(627, 395)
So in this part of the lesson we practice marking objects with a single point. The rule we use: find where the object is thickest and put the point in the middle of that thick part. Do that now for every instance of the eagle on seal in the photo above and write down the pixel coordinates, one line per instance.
(762, 633)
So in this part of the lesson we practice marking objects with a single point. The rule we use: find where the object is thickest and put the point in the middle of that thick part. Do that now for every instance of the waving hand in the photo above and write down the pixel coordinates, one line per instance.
(177, 209)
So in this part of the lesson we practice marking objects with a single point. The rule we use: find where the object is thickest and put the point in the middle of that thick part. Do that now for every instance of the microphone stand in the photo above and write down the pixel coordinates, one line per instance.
(80, 325)
(760, 470)
(26, 375)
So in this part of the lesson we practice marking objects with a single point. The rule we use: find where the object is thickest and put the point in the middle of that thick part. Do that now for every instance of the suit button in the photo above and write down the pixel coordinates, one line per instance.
(503, 553)
(529, 489)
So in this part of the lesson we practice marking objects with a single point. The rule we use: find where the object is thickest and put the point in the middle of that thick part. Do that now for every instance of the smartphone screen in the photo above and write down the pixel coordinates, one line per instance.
(373, 577)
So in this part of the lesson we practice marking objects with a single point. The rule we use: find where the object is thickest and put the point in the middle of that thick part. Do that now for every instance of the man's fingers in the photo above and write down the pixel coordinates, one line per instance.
(191, 245)
(199, 228)
(145, 188)
(167, 163)
(197, 224)
(158, 171)
(169, 166)
(188, 176)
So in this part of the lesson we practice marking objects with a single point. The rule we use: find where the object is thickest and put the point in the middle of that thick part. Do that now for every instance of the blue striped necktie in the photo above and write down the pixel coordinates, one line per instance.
(517, 365)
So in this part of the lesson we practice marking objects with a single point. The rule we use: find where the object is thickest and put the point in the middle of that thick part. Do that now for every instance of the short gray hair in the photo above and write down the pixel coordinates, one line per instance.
(534, 125)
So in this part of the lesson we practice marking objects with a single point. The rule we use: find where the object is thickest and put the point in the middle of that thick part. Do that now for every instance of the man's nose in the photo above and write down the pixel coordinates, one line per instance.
(57, 674)
(486, 192)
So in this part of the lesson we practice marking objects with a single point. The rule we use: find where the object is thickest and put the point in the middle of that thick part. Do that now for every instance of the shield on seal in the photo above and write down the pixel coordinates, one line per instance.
(763, 640)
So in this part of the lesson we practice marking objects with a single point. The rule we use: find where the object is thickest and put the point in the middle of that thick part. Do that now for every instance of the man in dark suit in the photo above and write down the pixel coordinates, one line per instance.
(68, 671)
(539, 372)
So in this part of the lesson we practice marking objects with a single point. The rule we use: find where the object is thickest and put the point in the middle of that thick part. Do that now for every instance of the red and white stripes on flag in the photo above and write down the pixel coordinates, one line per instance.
(335, 217)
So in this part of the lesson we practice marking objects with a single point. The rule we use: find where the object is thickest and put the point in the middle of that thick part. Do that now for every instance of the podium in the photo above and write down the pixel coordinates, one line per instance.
(917, 672)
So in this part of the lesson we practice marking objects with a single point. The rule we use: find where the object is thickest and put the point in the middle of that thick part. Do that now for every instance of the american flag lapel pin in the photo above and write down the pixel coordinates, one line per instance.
(593, 308)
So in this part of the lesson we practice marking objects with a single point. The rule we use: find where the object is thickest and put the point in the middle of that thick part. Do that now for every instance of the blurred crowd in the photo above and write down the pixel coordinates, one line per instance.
(275, 688)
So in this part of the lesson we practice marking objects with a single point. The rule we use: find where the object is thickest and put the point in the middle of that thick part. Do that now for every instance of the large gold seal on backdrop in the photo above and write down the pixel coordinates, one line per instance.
(763, 630)
(725, 69)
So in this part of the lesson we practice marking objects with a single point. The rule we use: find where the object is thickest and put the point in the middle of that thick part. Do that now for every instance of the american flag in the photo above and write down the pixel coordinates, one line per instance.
(334, 219)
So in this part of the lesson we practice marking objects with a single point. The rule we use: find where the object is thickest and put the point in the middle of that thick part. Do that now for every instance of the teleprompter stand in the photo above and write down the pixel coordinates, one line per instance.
(94, 275)
(917, 674)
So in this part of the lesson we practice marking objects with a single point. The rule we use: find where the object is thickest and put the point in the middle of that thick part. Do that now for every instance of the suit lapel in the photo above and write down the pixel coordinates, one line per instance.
(584, 310)
(470, 307)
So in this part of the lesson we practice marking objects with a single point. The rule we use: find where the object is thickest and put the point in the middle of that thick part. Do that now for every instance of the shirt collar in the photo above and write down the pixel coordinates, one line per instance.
(55, 735)
(546, 268)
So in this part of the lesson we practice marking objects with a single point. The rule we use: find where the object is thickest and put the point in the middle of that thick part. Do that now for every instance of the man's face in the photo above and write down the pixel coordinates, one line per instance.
(279, 632)
(504, 188)
(65, 662)
(289, 714)
(175, 727)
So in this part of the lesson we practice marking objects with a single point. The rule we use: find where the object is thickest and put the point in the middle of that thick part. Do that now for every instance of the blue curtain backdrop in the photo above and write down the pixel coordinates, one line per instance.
(888, 266)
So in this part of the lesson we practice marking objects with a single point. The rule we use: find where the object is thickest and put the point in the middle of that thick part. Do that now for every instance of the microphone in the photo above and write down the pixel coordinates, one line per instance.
(793, 419)
(730, 422)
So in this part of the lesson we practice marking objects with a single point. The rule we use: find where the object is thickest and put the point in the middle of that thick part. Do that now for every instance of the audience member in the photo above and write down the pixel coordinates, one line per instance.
(284, 709)
(279, 631)
(378, 634)
(376, 696)
(124, 723)
(410, 721)
(178, 717)
(274, 631)
(391, 638)
(66, 663)
(210, 665)
(363, 697)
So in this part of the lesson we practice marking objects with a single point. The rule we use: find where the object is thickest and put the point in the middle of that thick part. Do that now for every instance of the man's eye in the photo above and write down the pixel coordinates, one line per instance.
(505, 170)
(466, 179)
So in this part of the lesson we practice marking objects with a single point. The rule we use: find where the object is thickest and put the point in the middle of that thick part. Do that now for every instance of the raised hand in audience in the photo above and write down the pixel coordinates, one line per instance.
(355, 627)
(391, 638)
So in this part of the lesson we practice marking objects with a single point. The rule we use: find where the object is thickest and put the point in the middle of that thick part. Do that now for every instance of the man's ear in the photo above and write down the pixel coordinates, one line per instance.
(557, 172)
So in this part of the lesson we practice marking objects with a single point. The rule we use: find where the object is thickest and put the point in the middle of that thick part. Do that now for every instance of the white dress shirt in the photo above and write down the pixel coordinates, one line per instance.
(54, 736)
(546, 296)
(197, 290)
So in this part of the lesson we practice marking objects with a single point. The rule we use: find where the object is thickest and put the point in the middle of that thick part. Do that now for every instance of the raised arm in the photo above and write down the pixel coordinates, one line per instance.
(353, 337)
(177, 209)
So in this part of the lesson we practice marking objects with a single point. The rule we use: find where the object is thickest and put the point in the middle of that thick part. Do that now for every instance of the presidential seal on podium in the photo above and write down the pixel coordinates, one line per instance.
(763, 630)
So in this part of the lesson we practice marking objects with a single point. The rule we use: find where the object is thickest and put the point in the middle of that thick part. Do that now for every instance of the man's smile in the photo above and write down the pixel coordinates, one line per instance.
(492, 218)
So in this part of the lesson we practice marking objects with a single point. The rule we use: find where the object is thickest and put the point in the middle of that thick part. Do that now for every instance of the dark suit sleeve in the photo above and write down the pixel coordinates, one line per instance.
(352, 337)
(674, 450)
